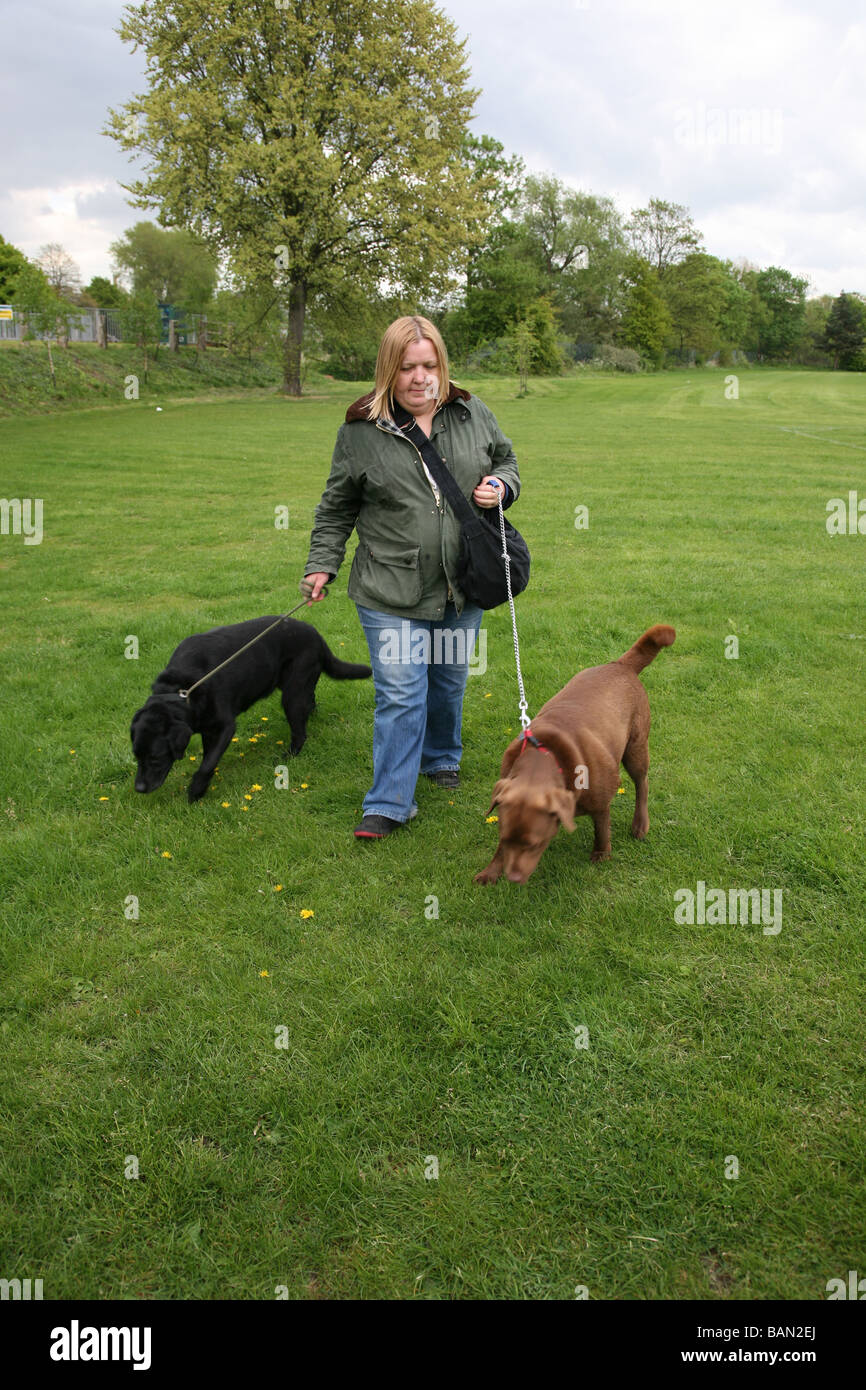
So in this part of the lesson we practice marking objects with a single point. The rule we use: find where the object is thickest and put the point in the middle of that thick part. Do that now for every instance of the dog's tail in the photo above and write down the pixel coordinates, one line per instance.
(343, 670)
(646, 648)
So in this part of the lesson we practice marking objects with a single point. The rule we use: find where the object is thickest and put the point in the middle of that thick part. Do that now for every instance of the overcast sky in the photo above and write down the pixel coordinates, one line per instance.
(750, 112)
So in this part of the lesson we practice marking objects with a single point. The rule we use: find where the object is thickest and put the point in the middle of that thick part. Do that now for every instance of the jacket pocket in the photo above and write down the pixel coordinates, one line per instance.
(391, 576)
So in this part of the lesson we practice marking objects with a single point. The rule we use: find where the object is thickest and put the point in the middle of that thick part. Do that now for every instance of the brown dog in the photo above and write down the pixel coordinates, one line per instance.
(567, 765)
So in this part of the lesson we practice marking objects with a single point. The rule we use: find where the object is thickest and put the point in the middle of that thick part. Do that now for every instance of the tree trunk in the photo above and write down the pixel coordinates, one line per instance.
(294, 340)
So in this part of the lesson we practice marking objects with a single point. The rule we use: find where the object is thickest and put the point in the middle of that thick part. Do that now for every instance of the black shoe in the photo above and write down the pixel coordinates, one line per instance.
(376, 827)
(447, 777)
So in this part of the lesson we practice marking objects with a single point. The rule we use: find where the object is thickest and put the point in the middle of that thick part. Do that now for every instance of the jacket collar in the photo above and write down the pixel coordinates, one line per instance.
(358, 409)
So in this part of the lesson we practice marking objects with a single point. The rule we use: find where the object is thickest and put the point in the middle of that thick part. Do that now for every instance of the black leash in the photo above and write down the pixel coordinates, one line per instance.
(185, 694)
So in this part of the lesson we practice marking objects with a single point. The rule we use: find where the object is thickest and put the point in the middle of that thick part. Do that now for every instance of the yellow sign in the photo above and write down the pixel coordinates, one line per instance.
(6, 311)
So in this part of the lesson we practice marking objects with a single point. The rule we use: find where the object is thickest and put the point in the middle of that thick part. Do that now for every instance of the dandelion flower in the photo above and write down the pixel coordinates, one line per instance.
(264, 719)
(225, 803)
(247, 796)
(490, 820)
(103, 798)
(165, 854)
(264, 974)
(255, 787)
(278, 888)
(307, 912)
(304, 786)
(620, 791)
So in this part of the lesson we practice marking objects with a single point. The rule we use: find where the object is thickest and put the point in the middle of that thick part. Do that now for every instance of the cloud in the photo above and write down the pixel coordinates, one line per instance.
(749, 113)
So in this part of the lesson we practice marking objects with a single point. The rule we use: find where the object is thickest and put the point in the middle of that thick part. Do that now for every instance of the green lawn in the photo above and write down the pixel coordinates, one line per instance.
(412, 1036)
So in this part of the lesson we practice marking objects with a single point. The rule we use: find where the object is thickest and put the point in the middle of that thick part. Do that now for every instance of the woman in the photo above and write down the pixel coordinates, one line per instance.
(419, 627)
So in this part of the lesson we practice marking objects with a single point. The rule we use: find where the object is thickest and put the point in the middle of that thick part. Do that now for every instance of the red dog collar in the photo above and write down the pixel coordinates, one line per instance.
(529, 737)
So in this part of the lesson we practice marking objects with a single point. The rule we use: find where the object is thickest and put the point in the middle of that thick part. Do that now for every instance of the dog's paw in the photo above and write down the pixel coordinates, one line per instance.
(487, 876)
(640, 828)
(598, 855)
(196, 790)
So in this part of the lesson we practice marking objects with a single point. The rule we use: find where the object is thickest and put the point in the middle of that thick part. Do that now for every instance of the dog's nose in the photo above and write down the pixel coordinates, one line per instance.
(140, 784)
(514, 876)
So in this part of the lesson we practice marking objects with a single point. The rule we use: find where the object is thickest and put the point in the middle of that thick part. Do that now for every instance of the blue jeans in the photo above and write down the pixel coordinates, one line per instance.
(420, 668)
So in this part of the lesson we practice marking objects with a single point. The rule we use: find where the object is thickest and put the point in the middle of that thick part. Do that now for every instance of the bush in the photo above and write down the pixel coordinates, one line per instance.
(620, 359)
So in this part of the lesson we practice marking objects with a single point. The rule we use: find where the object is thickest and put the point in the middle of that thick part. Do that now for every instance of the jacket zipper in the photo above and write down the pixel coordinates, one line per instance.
(440, 506)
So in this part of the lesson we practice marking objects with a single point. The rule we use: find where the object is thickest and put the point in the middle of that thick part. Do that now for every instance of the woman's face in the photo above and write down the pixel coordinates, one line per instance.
(417, 385)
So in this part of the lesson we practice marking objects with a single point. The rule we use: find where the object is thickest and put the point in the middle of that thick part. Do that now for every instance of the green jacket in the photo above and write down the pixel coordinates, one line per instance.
(408, 543)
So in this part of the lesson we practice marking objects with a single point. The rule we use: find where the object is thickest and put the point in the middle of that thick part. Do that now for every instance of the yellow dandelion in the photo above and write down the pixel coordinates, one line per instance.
(304, 786)
(264, 719)
(165, 854)
(252, 740)
(245, 808)
(192, 759)
(278, 888)
(490, 820)
(72, 750)
(279, 740)
(264, 974)
(247, 796)
(307, 912)
(234, 740)
(620, 791)
(103, 798)
(489, 693)
(255, 787)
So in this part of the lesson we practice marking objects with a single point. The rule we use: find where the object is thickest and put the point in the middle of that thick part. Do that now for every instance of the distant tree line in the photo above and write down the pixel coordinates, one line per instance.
(314, 176)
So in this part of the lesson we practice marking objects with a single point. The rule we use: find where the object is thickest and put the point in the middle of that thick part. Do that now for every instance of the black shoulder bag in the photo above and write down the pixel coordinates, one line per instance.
(481, 569)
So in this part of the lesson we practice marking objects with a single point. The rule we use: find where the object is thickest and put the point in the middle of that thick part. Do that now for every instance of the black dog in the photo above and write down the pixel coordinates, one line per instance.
(292, 656)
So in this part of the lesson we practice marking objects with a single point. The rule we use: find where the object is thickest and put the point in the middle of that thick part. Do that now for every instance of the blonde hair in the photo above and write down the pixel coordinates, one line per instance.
(395, 340)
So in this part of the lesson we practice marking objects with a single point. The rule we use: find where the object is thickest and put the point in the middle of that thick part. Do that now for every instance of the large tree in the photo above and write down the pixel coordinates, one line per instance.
(172, 266)
(12, 262)
(782, 312)
(312, 144)
(59, 269)
(646, 320)
(696, 294)
(663, 233)
(845, 334)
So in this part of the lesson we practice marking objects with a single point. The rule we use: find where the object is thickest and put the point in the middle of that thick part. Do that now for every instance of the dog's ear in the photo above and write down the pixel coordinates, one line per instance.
(561, 803)
(498, 793)
(179, 735)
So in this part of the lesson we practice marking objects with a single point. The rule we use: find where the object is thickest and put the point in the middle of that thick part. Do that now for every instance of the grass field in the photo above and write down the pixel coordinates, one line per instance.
(411, 1037)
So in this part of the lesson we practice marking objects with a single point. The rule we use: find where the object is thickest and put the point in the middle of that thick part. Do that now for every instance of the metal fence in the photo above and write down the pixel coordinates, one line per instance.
(191, 329)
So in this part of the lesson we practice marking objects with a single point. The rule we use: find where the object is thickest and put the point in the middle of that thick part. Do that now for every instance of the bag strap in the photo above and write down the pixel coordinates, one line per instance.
(435, 463)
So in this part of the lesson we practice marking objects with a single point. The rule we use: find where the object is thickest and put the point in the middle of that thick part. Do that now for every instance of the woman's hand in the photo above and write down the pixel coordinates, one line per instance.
(488, 492)
(318, 582)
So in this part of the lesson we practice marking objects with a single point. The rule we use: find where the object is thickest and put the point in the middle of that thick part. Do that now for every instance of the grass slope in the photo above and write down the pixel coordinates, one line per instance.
(412, 1036)
(87, 376)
